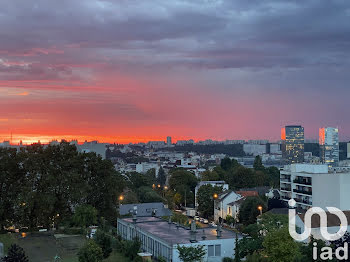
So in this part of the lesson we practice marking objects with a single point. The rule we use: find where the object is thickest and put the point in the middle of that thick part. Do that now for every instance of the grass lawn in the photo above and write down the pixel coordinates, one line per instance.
(114, 257)
(44, 248)
(117, 257)
(8, 239)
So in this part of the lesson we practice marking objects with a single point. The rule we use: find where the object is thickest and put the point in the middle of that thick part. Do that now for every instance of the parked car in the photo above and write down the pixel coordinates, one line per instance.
(201, 220)
(205, 221)
(196, 218)
(213, 224)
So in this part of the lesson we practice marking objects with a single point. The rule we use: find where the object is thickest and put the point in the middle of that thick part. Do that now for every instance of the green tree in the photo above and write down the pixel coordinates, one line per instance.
(15, 254)
(279, 246)
(210, 176)
(307, 249)
(226, 163)
(192, 253)
(205, 199)
(84, 216)
(148, 195)
(273, 175)
(258, 166)
(90, 252)
(249, 211)
(104, 241)
(184, 183)
(161, 179)
(256, 257)
(131, 248)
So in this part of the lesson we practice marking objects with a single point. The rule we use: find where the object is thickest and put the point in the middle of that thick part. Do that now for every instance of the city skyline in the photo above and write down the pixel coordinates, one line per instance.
(128, 71)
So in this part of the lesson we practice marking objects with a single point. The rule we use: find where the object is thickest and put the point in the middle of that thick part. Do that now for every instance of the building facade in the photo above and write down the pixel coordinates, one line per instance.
(293, 144)
(315, 185)
(329, 146)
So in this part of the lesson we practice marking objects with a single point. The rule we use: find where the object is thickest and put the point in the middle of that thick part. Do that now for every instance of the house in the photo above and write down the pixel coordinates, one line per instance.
(221, 205)
(145, 210)
(161, 238)
(233, 208)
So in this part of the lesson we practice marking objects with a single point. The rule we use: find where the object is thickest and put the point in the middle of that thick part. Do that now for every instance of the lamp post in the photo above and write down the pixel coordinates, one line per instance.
(260, 208)
(120, 198)
(215, 196)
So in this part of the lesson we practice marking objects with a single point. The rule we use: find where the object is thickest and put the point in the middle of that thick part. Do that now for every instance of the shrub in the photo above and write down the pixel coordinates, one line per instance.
(104, 241)
(90, 252)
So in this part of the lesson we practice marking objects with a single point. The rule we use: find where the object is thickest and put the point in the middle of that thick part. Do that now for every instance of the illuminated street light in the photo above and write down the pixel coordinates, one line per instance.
(121, 198)
(215, 196)
(260, 208)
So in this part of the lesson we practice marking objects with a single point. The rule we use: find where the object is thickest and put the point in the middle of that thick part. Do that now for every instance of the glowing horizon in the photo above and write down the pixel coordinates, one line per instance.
(126, 71)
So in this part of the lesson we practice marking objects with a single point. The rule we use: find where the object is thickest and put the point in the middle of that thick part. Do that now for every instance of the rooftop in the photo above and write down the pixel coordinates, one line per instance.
(145, 209)
(173, 235)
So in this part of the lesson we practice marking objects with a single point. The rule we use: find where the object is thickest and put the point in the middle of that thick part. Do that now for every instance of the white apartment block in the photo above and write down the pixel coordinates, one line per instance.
(316, 185)
(160, 238)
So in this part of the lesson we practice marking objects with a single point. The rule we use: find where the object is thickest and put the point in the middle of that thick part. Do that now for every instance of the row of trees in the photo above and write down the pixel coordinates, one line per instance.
(238, 176)
(43, 185)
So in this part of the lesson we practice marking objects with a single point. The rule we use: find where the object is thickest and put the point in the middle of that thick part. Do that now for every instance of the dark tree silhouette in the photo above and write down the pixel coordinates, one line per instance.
(15, 254)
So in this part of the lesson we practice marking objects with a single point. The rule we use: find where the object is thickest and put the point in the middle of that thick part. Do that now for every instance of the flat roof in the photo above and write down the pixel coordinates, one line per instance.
(173, 235)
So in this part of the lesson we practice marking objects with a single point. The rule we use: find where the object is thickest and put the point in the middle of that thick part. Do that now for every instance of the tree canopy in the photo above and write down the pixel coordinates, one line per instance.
(42, 184)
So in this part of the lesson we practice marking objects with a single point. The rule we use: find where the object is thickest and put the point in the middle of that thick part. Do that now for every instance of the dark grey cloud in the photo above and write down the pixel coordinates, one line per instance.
(156, 35)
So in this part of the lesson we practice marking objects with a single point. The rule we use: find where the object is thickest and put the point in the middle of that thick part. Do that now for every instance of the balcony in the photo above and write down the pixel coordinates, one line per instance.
(287, 180)
(286, 189)
(303, 201)
(305, 192)
(302, 182)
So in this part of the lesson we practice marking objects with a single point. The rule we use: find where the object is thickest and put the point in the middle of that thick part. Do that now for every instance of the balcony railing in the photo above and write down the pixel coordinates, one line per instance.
(285, 180)
(303, 201)
(286, 189)
(303, 192)
(301, 181)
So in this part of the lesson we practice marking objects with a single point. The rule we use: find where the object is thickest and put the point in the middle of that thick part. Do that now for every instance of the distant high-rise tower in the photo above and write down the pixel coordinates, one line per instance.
(293, 144)
(329, 146)
(168, 141)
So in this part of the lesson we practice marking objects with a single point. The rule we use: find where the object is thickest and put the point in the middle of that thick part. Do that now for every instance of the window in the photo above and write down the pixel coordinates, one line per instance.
(214, 251)
(210, 251)
(218, 250)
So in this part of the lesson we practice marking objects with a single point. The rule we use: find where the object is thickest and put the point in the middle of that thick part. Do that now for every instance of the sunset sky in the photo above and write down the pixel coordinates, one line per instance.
(133, 70)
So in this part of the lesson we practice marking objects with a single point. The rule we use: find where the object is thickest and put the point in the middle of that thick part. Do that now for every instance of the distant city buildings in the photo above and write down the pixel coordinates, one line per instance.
(254, 149)
(293, 143)
(329, 146)
(168, 141)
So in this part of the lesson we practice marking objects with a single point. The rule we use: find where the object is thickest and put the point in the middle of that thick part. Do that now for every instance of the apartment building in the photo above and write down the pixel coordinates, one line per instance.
(316, 185)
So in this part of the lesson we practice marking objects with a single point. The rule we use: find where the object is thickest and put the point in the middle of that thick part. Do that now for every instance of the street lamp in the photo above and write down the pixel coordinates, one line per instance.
(121, 198)
(260, 208)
